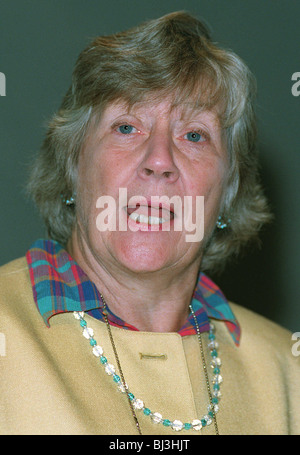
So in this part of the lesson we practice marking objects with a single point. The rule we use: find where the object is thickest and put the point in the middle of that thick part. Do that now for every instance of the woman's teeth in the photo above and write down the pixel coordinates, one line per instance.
(139, 218)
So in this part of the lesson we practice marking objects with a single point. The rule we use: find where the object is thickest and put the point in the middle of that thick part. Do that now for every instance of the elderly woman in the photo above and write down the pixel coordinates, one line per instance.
(147, 180)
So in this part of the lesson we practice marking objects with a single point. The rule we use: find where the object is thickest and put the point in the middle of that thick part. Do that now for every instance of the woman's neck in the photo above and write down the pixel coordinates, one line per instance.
(154, 302)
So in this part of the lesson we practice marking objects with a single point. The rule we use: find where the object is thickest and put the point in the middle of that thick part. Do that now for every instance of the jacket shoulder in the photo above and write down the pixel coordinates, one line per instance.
(259, 330)
(16, 266)
(15, 282)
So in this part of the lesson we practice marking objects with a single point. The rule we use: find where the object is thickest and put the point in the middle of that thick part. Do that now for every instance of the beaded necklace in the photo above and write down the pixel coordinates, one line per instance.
(137, 404)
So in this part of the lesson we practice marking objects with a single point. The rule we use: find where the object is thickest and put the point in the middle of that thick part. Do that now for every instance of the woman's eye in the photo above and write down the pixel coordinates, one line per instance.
(193, 136)
(125, 129)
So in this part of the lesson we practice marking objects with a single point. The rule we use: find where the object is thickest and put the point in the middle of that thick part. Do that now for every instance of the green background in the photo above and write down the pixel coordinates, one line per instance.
(39, 43)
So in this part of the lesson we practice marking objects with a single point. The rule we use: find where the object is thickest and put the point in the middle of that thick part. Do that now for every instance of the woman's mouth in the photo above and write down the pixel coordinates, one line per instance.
(150, 216)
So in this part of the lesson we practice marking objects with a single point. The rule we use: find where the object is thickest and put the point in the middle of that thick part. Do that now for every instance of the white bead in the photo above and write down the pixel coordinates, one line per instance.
(217, 393)
(97, 351)
(110, 369)
(216, 362)
(122, 388)
(208, 419)
(177, 425)
(213, 345)
(156, 417)
(78, 315)
(88, 333)
(138, 404)
(217, 379)
(197, 425)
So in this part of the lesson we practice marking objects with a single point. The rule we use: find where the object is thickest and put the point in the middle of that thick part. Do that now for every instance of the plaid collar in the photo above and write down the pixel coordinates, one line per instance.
(59, 285)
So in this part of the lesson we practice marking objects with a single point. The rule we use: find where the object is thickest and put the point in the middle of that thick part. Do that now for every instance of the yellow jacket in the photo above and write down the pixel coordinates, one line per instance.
(51, 383)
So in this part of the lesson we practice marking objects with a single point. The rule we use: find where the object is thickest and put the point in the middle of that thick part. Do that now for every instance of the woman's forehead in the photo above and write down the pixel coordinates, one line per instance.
(186, 110)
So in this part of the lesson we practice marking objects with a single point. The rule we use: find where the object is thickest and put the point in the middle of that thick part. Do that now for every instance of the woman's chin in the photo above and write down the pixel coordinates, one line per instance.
(144, 256)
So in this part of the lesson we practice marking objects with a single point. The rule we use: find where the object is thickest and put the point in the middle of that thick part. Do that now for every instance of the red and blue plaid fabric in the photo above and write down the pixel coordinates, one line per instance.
(59, 285)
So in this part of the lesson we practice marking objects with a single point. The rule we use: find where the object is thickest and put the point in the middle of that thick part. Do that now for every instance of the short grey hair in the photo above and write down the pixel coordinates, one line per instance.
(170, 55)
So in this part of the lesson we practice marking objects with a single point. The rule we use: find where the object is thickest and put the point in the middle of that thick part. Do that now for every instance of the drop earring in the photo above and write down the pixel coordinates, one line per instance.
(221, 223)
(68, 201)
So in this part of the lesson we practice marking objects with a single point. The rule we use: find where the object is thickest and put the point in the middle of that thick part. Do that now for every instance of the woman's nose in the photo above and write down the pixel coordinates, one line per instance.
(158, 162)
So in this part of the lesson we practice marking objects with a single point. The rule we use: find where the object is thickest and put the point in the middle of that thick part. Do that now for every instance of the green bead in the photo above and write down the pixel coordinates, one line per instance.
(187, 426)
(83, 323)
(211, 336)
(131, 396)
(211, 414)
(103, 360)
(214, 353)
(116, 378)
(216, 370)
(216, 387)
(93, 342)
(215, 400)
(203, 421)
(147, 411)
(166, 422)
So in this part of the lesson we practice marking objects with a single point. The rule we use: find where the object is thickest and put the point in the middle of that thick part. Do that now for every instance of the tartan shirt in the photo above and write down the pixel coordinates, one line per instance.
(59, 285)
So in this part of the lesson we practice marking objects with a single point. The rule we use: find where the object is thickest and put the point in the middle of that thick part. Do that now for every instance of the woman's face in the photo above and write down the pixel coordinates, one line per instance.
(151, 149)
